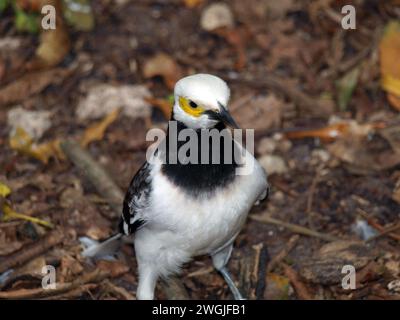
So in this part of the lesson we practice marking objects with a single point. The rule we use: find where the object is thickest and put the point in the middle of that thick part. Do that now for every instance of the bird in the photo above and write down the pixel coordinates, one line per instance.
(176, 211)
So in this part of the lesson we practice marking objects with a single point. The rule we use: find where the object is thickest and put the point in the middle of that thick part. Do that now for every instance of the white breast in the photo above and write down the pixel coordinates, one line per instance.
(181, 226)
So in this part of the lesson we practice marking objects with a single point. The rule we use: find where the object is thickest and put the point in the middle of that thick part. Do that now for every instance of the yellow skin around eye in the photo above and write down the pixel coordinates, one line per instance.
(184, 104)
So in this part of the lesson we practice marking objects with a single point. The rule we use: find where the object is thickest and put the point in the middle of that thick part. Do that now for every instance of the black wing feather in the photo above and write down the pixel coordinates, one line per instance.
(136, 200)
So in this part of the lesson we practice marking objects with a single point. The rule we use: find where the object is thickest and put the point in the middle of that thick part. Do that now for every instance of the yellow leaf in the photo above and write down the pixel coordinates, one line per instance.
(389, 50)
(96, 131)
(192, 3)
(22, 142)
(10, 214)
(4, 190)
(394, 101)
(391, 84)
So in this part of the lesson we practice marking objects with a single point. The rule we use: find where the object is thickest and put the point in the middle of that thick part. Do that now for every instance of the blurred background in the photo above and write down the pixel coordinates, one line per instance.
(324, 102)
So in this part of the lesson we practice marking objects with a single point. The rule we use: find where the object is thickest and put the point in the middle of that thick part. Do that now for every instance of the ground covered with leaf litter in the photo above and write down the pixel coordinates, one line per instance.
(324, 102)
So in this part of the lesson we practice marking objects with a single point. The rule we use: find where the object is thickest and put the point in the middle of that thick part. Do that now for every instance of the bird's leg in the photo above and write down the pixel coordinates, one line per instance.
(228, 279)
(220, 259)
(147, 282)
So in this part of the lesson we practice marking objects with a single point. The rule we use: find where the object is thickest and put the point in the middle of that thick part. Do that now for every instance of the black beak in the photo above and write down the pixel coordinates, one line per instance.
(224, 116)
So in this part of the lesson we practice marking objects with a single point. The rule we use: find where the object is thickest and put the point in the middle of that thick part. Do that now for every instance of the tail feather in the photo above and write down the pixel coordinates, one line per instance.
(95, 249)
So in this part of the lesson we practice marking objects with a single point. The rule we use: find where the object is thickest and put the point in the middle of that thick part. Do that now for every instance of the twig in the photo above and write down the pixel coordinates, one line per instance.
(261, 270)
(253, 269)
(374, 223)
(310, 197)
(301, 290)
(384, 232)
(74, 293)
(27, 253)
(96, 175)
(295, 228)
(92, 277)
(121, 292)
(200, 272)
(283, 253)
(107, 188)
(283, 187)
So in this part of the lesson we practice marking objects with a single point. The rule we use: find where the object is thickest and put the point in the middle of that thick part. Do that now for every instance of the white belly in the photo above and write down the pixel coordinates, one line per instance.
(180, 226)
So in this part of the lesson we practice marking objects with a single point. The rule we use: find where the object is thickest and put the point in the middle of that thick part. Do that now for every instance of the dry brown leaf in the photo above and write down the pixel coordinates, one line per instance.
(394, 101)
(164, 105)
(237, 38)
(164, 66)
(326, 265)
(30, 84)
(96, 131)
(260, 113)
(69, 268)
(115, 268)
(361, 156)
(54, 46)
(54, 43)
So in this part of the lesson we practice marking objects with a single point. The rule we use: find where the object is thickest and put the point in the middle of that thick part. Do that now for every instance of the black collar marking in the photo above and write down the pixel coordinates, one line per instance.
(196, 178)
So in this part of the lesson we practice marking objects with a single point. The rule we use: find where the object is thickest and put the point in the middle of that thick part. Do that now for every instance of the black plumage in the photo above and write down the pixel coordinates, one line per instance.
(195, 178)
(136, 199)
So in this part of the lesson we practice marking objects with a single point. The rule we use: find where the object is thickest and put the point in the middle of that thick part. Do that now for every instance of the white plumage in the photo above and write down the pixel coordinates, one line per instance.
(172, 225)
(180, 227)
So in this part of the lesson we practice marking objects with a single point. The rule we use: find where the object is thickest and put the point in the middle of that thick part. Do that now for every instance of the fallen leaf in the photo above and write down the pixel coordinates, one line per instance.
(394, 101)
(69, 268)
(10, 214)
(389, 49)
(35, 123)
(54, 43)
(237, 37)
(4, 190)
(164, 105)
(97, 130)
(192, 3)
(22, 142)
(104, 98)
(7, 213)
(361, 156)
(336, 130)
(165, 66)
(115, 268)
(30, 84)
(325, 267)
(259, 113)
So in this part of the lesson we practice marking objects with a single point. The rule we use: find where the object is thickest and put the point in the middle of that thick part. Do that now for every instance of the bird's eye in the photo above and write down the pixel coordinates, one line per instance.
(193, 104)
